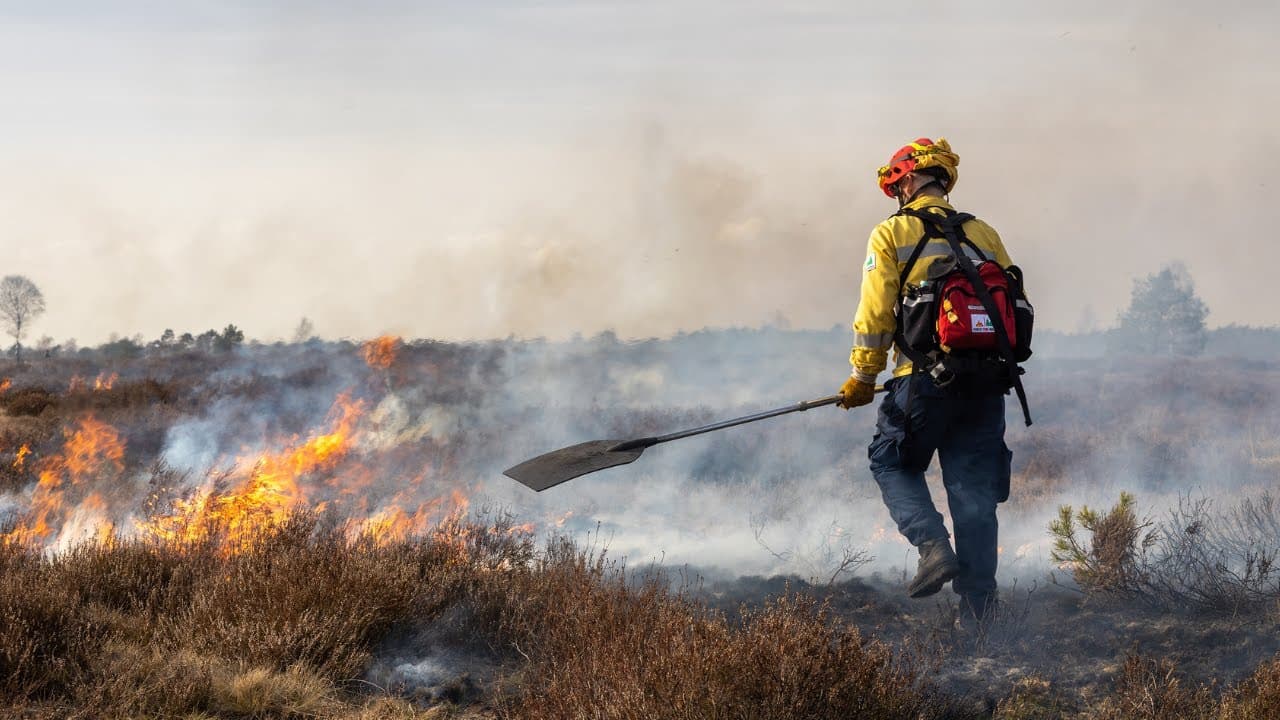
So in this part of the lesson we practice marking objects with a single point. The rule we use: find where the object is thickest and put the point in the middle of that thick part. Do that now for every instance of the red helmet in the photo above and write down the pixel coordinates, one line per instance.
(921, 154)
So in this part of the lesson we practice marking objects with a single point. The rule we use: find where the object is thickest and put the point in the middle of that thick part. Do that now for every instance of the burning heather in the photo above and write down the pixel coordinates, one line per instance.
(291, 517)
(346, 467)
(263, 491)
(67, 505)
(381, 352)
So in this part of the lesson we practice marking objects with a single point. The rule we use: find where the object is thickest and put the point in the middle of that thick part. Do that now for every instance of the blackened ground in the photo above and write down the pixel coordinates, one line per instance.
(1076, 643)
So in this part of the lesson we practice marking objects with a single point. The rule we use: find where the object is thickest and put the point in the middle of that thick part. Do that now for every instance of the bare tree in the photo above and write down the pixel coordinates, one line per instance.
(305, 331)
(20, 303)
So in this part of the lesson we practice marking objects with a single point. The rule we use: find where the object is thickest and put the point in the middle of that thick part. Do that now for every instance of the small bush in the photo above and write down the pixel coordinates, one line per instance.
(1226, 562)
(1256, 697)
(1032, 698)
(139, 628)
(47, 639)
(121, 394)
(28, 401)
(1151, 690)
(1110, 562)
(601, 646)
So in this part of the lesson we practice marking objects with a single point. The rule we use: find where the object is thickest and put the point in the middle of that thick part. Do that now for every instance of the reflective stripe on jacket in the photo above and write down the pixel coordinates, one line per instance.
(891, 245)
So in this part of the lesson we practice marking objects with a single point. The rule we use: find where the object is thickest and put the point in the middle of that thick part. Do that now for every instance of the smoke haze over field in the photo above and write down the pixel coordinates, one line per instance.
(392, 438)
(464, 170)
(316, 425)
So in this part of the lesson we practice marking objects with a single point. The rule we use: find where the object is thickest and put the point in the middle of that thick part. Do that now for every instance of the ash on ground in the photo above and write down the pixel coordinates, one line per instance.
(439, 662)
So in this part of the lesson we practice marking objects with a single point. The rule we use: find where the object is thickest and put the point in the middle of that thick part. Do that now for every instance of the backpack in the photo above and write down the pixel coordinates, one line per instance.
(969, 317)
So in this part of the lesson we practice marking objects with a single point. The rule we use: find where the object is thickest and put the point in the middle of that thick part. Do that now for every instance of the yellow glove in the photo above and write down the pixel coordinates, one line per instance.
(856, 393)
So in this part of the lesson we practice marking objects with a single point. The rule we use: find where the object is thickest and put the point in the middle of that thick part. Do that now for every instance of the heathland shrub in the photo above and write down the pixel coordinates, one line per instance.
(1152, 689)
(1195, 558)
(1256, 697)
(277, 629)
(48, 637)
(601, 645)
(282, 626)
(1110, 560)
(28, 401)
(1224, 561)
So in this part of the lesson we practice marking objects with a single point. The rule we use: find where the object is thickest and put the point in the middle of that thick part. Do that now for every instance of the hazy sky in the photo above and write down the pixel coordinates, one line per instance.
(472, 169)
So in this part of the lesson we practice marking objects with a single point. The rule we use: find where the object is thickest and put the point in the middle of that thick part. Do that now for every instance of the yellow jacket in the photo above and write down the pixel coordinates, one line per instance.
(890, 247)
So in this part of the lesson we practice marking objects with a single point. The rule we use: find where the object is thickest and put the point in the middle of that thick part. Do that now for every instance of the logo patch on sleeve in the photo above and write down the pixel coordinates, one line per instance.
(870, 264)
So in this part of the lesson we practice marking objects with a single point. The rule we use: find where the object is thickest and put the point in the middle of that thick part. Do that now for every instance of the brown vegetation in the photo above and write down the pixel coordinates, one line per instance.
(136, 629)
(1151, 689)
(1109, 562)
(1221, 561)
(291, 624)
(620, 650)
(131, 629)
(286, 629)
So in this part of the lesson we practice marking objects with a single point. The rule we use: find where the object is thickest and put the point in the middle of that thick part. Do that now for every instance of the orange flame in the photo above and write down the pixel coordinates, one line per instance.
(327, 470)
(5, 384)
(264, 491)
(441, 517)
(93, 451)
(104, 381)
(381, 352)
(20, 459)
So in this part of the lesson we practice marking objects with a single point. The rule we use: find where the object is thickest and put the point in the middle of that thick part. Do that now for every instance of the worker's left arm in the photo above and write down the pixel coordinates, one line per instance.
(874, 323)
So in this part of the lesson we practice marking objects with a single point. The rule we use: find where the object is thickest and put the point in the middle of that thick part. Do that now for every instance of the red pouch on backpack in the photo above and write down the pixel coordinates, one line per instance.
(963, 323)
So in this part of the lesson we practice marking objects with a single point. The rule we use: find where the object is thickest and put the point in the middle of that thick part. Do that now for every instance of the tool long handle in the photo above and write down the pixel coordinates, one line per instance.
(680, 435)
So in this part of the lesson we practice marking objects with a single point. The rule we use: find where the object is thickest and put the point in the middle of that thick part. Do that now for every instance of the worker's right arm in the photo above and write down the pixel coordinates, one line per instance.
(874, 323)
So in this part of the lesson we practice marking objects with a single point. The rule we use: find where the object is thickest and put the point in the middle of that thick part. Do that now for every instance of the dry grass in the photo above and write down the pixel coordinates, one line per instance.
(1257, 697)
(287, 629)
(1033, 698)
(1152, 690)
(278, 631)
(130, 629)
(626, 649)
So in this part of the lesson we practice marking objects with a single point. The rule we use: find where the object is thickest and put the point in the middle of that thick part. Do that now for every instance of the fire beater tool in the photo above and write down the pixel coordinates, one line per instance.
(558, 466)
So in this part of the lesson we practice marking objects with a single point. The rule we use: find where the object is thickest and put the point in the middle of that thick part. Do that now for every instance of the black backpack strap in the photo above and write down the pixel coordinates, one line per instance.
(931, 232)
(933, 223)
(951, 228)
(911, 261)
(918, 359)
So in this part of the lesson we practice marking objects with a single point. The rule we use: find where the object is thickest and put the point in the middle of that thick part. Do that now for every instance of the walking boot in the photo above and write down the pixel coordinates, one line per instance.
(938, 566)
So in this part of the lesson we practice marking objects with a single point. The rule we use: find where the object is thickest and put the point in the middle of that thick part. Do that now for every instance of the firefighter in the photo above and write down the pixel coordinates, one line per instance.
(962, 420)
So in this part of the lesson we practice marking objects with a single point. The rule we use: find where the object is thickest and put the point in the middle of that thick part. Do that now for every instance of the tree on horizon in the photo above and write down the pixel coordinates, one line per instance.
(21, 302)
(1165, 316)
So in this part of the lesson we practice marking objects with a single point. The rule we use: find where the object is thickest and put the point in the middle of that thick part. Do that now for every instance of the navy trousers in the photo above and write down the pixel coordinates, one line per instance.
(964, 425)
